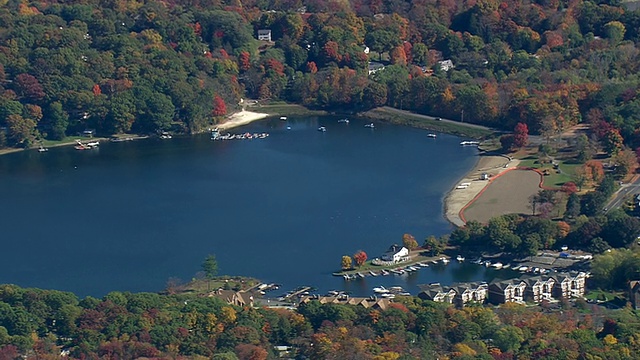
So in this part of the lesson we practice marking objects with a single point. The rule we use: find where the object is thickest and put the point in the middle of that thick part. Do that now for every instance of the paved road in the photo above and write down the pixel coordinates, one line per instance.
(630, 188)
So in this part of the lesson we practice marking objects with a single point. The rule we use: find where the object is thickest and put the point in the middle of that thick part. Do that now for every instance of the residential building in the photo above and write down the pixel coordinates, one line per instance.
(437, 293)
(445, 65)
(507, 291)
(539, 288)
(396, 253)
(470, 293)
(374, 67)
(570, 285)
(370, 302)
(264, 35)
(238, 298)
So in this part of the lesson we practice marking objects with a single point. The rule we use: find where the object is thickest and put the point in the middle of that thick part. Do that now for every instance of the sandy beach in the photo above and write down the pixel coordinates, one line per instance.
(457, 199)
(240, 118)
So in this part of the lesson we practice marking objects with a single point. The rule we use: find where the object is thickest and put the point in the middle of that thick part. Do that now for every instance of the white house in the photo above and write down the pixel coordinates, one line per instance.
(445, 65)
(374, 67)
(396, 253)
(264, 35)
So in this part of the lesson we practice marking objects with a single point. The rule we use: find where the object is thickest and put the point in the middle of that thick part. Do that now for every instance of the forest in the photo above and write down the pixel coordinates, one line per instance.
(43, 324)
(145, 67)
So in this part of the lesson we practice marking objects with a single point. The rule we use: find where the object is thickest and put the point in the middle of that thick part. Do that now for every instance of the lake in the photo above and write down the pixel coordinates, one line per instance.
(128, 216)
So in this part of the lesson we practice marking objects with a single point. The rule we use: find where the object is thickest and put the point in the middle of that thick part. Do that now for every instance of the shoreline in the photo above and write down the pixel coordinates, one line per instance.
(241, 118)
(457, 199)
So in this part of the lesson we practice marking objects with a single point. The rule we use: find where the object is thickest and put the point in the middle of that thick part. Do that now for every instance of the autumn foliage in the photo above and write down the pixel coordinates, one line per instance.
(360, 257)
(219, 107)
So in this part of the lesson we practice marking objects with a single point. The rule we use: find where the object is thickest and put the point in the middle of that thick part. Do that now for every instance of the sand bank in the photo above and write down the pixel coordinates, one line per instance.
(240, 118)
(457, 199)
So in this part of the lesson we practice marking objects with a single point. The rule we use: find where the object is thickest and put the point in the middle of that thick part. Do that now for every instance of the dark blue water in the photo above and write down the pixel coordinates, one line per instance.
(284, 209)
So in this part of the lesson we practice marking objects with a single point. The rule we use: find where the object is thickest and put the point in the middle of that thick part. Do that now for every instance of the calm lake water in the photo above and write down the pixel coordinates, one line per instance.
(284, 209)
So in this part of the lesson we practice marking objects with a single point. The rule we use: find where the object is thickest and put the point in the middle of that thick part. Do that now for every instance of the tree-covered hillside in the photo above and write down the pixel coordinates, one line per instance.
(42, 324)
(129, 66)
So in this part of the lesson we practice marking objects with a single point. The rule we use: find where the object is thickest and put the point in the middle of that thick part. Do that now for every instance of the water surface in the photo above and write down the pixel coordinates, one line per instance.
(284, 209)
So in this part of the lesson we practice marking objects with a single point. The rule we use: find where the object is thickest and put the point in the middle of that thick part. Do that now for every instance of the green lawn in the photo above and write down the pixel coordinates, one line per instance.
(554, 179)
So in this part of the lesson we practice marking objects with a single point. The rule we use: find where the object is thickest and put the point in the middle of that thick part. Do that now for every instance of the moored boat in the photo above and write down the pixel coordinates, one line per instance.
(344, 121)
(322, 129)
(369, 125)
(460, 258)
(432, 135)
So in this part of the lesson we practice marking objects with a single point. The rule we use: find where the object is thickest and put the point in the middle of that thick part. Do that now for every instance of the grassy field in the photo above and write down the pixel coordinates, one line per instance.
(556, 178)
(423, 123)
(282, 108)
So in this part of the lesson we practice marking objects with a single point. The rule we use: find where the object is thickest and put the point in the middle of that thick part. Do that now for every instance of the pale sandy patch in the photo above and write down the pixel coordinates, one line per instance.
(457, 199)
(240, 118)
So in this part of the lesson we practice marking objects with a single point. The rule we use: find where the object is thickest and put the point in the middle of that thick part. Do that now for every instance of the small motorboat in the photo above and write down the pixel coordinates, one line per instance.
(322, 129)
(460, 258)
(369, 125)
(497, 265)
(432, 135)
(361, 275)
(42, 149)
(423, 264)
(344, 121)
(384, 272)
(165, 135)
(380, 290)
(373, 273)
(288, 127)
(283, 118)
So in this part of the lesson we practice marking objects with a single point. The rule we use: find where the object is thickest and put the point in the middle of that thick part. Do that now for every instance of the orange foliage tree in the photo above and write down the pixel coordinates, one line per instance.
(360, 257)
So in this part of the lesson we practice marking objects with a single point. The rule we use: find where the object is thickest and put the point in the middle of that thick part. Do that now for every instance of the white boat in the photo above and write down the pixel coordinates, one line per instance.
(423, 264)
(414, 268)
(497, 265)
(288, 127)
(42, 149)
(388, 296)
(284, 118)
(165, 135)
(384, 272)
(322, 128)
(93, 144)
(361, 275)
(344, 121)
(373, 273)
(444, 260)
(460, 258)
(487, 263)
(523, 268)
(369, 125)
(380, 290)
(433, 261)
(470, 143)
(396, 289)
(506, 266)
(432, 135)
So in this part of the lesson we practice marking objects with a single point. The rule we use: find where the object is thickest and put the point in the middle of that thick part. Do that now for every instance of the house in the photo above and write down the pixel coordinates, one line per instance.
(539, 288)
(370, 302)
(507, 291)
(470, 292)
(437, 293)
(374, 67)
(570, 285)
(396, 253)
(264, 35)
(634, 294)
(238, 298)
(445, 65)
(365, 49)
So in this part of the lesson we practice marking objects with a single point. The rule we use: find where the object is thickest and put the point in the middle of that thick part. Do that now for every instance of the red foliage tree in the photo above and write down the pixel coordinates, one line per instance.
(29, 87)
(398, 56)
(244, 61)
(407, 50)
(569, 187)
(331, 51)
(360, 257)
(219, 107)
(313, 68)
(96, 90)
(520, 135)
(275, 65)
(250, 352)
